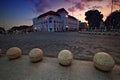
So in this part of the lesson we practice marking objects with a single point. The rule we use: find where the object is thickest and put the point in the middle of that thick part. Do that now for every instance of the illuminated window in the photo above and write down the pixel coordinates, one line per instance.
(66, 16)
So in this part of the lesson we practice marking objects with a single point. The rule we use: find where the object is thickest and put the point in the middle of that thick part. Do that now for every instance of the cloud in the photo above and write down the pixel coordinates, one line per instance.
(72, 9)
(91, 0)
(97, 7)
(116, 0)
(108, 5)
(80, 6)
(40, 5)
(77, 6)
(116, 3)
(68, 0)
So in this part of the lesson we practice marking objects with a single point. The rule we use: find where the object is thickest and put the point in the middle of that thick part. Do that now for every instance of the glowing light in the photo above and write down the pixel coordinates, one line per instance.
(66, 16)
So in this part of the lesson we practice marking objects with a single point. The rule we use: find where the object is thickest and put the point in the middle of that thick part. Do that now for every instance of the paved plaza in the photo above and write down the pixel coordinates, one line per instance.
(49, 69)
(83, 46)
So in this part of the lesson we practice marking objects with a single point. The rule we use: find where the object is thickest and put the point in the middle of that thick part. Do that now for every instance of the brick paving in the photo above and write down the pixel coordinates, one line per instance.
(49, 69)
(83, 46)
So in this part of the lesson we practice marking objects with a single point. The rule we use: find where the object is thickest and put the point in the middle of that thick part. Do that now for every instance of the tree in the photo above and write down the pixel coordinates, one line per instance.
(22, 28)
(113, 20)
(94, 17)
(2, 30)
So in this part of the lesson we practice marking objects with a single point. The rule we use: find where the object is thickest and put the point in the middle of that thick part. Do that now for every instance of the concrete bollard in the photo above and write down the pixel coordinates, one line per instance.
(14, 52)
(35, 55)
(65, 57)
(103, 61)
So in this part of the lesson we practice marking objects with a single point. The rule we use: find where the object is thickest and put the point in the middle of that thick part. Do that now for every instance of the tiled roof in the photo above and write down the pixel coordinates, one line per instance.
(61, 10)
(56, 13)
(49, 13)
(72, 17)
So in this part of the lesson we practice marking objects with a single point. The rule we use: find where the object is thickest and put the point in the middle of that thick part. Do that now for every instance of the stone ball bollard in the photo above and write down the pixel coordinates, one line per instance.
(103, 61)
(14, 52)
(35, 55)
(65, 57)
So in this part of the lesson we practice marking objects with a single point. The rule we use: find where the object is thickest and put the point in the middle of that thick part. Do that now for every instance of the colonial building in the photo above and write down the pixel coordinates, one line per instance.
(55, 21)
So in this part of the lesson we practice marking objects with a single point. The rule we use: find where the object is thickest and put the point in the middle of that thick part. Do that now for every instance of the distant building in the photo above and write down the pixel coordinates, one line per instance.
(55, 21)
(2, 30)
(83, 26)
(20, 29)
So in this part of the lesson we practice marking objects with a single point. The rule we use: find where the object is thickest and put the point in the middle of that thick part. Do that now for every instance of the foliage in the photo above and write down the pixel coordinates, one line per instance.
(113, 20)
(23, 28)
(2, 30)
(94, 17)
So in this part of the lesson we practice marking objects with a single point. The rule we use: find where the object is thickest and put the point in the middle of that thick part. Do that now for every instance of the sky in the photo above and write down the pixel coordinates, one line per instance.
(21, 12)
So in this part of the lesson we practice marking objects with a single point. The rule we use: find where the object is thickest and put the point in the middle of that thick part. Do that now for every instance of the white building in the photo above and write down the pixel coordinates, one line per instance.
(55, 21)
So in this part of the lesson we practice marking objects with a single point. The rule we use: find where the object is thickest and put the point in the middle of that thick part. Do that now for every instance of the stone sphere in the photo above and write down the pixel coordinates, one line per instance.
(103, 61)
(14, 52)
(65, 57)
(35, 55)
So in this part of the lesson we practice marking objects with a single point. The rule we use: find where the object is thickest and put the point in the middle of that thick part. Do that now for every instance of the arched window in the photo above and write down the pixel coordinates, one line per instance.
(50, 19)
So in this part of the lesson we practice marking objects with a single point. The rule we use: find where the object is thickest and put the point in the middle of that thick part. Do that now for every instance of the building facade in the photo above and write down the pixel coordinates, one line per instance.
(55, 21)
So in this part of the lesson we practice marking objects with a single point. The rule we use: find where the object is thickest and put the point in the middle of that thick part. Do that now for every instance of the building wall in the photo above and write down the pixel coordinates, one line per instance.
(52, 23)
(72, 24)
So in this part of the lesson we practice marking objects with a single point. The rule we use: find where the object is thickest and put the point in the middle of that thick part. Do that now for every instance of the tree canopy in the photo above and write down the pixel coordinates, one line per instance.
(18, 28)
(22, 28)
(113, 20)
(94, 17)
(2, 30)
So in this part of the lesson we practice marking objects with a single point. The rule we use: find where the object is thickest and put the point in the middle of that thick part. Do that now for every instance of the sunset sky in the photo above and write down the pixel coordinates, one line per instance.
(21, 12)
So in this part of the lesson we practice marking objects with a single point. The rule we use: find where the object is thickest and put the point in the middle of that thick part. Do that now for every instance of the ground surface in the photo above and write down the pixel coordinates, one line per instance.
(49, 69)
(83, 46)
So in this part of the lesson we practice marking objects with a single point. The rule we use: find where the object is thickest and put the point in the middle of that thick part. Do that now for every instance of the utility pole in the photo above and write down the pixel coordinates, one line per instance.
(112, 6)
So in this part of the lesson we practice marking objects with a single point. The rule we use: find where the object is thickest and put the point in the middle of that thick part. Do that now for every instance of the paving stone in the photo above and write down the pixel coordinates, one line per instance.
(49, 69)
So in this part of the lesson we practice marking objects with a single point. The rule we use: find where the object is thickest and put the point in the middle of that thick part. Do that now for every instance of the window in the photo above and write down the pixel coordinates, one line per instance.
(50, 19)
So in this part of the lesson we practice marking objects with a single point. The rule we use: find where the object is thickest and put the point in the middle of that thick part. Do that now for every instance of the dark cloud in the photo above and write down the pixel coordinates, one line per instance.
(97, 7)
(68, 0)
(116, 3)
(91, 0)
(40, 5)
(116, 0)
(72, 9)
(81, 5)
(78, 6)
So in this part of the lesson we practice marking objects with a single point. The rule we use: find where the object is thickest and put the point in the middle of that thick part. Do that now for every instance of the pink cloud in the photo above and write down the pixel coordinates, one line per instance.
(67, 0)
(72, 9)
(80, 6)
(77, 5)
(97, 7)
(91, 0)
